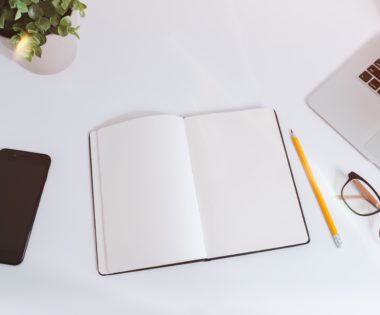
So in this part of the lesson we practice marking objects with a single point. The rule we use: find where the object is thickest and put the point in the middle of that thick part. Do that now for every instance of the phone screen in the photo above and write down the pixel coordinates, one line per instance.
(22, 179)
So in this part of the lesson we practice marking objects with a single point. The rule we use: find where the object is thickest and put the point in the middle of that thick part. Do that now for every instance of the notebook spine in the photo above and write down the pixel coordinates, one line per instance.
(97, 204)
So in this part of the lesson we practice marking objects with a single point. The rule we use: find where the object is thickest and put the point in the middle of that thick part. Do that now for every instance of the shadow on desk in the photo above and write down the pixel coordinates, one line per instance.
(377, 5)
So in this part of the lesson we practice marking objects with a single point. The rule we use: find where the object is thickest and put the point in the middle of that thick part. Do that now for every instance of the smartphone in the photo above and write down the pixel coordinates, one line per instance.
(22, 179)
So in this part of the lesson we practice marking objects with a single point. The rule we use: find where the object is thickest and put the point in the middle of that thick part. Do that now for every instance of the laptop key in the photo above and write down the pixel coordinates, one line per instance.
(374, 71)
(375, 84)
(365, 76)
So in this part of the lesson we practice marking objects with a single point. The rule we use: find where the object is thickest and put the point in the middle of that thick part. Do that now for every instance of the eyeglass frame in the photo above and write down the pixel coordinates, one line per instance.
(352, 176)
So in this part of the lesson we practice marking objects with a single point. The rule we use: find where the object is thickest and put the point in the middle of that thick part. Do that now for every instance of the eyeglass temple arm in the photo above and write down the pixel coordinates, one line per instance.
(350, 197)
(366, 194)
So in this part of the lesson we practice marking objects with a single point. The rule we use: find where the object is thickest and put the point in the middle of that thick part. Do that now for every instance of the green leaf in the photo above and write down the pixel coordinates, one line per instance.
(39, 39)
(35, 12)
(42, 39)
(13, 3)
(18, 27)
(65, 21)
(37, 51)
(18, 15)
(31, 28)
(61, 11)
(65, 4)
(63, 30)
(43, 24)
(73, 31)
(2, 20)
(54, 21)
(64, 25)
(79, 6)
(56, 3)
(48, 7)
(29, 56)
(22, 7)
(15, 39)
(36, 39)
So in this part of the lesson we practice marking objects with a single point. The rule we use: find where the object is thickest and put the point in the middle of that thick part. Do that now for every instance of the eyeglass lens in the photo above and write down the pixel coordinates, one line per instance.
(360, 197)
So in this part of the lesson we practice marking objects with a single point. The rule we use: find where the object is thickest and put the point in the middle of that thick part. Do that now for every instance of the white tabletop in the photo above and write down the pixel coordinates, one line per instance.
(187, 57)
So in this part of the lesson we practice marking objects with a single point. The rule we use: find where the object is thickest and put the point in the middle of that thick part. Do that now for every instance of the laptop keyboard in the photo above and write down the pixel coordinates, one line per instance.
(371, 76)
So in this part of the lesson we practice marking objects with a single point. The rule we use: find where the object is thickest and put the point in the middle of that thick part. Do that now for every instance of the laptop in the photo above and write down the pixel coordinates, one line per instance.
(349, 100)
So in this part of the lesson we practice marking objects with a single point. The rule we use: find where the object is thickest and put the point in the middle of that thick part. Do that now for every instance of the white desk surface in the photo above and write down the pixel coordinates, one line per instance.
(188, 57)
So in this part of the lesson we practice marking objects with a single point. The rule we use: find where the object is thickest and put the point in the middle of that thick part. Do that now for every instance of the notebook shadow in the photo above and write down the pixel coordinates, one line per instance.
(233, 109)
(139, 114)
(125, 117)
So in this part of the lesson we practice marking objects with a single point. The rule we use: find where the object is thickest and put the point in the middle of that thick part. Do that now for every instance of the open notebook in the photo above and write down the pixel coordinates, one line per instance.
(170, 190)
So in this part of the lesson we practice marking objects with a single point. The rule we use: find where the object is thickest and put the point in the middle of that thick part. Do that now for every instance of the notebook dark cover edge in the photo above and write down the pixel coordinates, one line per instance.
(93, 206)
(214, 258)
(294, 182)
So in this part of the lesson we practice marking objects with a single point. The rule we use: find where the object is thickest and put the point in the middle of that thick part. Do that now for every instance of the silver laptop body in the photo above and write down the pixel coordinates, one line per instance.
(349, 100)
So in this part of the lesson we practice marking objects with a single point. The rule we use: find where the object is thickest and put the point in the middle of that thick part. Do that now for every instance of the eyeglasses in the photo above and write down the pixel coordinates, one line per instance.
(359, 196)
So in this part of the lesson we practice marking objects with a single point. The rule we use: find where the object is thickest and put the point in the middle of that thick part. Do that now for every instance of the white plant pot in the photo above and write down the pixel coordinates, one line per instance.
(6, 48)
(57, 54)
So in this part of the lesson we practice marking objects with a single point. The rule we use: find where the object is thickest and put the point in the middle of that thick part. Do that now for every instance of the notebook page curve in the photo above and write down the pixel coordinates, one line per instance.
(150, 208)
(244, 184)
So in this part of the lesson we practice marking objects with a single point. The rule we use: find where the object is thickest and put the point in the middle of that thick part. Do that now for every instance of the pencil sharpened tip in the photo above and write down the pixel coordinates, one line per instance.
(337, 240)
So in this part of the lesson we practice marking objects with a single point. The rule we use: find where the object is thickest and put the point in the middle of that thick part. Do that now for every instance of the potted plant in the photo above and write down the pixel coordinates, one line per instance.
(28, 26)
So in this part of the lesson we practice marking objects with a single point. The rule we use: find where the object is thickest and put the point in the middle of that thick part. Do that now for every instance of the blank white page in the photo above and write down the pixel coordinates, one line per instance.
(245, 189)
(146, 210)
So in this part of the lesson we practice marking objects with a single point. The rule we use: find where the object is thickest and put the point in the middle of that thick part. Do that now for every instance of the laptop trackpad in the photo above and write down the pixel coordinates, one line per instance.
(373, 145)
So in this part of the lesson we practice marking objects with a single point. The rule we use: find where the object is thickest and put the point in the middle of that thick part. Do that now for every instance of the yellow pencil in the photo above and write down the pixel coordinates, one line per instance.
(317, 192)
